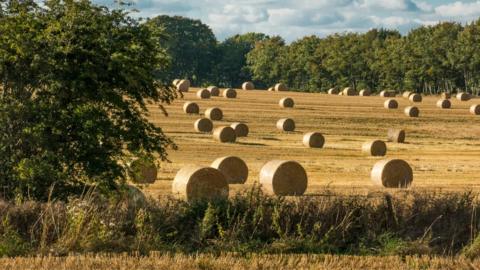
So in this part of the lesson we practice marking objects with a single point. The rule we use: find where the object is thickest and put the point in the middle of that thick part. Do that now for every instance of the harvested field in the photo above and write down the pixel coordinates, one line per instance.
(442, 146)
(234, 261)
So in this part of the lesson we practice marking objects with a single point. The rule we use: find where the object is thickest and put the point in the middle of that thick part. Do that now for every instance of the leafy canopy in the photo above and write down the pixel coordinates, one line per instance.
(75, 78)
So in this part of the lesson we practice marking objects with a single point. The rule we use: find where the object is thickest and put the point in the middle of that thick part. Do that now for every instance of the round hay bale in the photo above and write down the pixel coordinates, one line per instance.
(446, 95)
(475, 109)
(191, 108)
(183, 85)
(214, 114)
(286, 102)
(203, 125)
(390, 104)
(406, 94)
(271, 89)
(387, 93)
(214, 91)
(286, 124)
(143, 171)
(375, 148)
(233, 168)
(241, 130)
(462, 96)
(225, 134)
(392, 173)
(340, 93)
(333, 91)
(396, 135)
(203, 94)
(414, 97)
(175, 82)
(194, 182)
(411, 111)
(364, 93)
(229, 93)
(281, 87)
(348, 91)
(283, 178)
(444, 104)
(248, 86)
(313, 140)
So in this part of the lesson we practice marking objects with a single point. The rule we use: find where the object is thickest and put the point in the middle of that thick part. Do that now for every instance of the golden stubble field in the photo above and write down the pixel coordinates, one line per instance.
(442, 145)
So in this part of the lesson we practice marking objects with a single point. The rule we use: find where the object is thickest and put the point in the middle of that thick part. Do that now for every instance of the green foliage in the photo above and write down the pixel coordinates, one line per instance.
(191, 46)
(231, 69)
(425, 223)
(74, 80)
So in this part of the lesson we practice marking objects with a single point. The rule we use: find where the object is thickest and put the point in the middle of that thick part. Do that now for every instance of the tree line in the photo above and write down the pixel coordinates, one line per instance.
(429, 59)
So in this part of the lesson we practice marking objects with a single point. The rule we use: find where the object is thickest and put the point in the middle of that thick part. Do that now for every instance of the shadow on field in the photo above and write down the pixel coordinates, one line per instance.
(255, 144)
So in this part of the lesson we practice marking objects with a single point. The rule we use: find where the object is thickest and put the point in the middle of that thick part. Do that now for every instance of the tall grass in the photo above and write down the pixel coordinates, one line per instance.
(404, 223)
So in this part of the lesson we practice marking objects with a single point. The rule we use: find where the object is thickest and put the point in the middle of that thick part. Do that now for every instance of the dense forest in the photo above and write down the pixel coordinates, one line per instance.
(429, 59)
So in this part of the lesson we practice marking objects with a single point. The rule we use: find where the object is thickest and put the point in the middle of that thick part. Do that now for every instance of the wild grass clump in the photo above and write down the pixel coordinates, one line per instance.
(403, 223)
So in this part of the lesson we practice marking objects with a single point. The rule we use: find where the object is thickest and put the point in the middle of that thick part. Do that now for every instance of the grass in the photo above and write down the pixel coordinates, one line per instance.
(406, 223)
(442, 145)
(235, 262)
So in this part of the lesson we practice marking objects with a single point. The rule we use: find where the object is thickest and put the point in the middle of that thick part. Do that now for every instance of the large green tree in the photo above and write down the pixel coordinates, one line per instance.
(74, 81)
(191, 46)
(231, 69)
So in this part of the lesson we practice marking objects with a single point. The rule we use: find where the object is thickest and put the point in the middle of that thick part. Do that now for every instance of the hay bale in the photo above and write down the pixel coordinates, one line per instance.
(286, 102)
(375, 148)
(143, 171)
(348, 91)
(333, 91)
(214, 91)
(175, 82)
(203, 125)
(224, 134)
(475, 109)
(281, 87)
(414, 97)
(286, 124)
(462, 96)
(364, 93)
(241, 130)
(411, 111)
(203, 94)
(446, 95)
(248, 86)
(191, 108)
(387, 93)
(396, 135)
(406, 94)
(444, 104)
(390, 104)
(233, 168)
(392, 173)
(271, 89)
(194, 182)
(183, 85)
(283, 178)
(313, 140)
(229, 93)
(340, 93)
(214, 114)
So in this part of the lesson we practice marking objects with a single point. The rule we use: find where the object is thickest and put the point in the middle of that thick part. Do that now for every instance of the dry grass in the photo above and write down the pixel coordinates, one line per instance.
(442, 145)
(234, 262)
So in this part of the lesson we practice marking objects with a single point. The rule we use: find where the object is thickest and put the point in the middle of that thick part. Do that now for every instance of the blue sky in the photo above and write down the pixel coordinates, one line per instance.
(293, 19)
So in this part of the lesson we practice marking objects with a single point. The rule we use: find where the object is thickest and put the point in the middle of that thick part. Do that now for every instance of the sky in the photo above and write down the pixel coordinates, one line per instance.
(293, 19)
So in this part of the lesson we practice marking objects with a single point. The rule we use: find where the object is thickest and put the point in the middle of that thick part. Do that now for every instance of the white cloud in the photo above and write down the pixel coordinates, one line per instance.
(401, 5)
(458, 9)
(293, 19)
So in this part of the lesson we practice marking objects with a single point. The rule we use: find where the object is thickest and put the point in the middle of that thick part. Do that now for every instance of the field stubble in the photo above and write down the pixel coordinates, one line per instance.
(442, 145)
